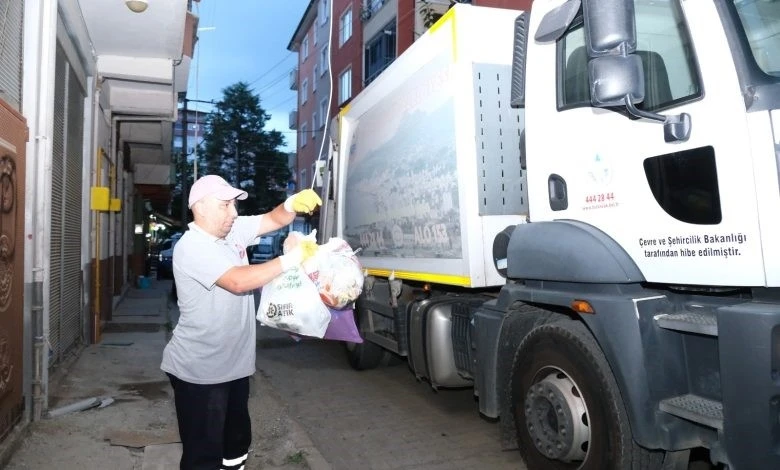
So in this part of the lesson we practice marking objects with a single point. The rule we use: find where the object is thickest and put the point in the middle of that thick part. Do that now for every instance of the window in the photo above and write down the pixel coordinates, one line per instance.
(303, 134)
(324, 58)
(304, 90)
(314, 77)
(375, 5)
(323, 112)
(304, 48)
(761, 21)
(314, 172)
(304, 182)
(314, 125)
(345, 27)
(345, 85)
(380, 52)
(663, 44)
(314, 35)
(324, 11)
(685, 185)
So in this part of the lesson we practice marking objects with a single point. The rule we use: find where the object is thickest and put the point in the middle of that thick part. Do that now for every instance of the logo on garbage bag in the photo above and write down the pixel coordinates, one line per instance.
(279, 310)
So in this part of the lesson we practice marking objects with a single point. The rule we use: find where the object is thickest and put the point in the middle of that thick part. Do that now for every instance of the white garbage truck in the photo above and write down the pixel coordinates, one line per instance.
(575, 210)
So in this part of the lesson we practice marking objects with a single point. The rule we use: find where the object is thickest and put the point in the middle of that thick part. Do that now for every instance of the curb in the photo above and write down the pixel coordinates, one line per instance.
(298, 435)
(314, 459)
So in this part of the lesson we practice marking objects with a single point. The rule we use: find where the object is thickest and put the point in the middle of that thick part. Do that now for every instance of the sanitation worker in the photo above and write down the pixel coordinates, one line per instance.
(211, 354)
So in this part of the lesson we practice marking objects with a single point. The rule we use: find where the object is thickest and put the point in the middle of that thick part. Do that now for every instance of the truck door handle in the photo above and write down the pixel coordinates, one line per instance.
(559, 199)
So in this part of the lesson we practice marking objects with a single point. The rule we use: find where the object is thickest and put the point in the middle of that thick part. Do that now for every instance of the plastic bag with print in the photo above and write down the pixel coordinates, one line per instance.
(334, 269)
(292, 303)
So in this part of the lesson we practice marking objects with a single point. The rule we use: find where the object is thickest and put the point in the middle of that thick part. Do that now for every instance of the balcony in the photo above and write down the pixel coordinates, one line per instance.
(294, 79)
(141, 80)
(294, 119)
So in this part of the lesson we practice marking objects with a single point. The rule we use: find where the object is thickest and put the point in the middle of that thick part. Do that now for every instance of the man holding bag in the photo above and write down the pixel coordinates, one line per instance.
(211, 354)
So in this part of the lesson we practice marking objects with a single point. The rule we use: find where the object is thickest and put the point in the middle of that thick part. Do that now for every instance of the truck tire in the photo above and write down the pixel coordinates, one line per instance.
(364, 356)
(568, 410)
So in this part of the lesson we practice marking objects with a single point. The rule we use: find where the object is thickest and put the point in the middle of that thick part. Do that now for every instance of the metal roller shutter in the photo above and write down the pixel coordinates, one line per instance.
(55, 248)
(71, 209)
(65, 318)
(11, 20)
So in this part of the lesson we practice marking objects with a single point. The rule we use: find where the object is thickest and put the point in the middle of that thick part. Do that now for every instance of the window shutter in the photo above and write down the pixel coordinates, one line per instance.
(11, 21)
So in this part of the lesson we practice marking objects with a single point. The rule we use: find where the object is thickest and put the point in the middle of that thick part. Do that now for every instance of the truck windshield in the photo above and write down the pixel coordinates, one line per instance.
(761, 20)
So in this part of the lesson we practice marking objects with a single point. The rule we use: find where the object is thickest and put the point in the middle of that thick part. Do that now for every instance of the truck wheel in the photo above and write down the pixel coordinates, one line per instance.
(567, 407)
(364, 356)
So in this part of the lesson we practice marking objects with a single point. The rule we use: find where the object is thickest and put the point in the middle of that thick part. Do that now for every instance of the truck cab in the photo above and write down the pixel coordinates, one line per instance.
(599, 262)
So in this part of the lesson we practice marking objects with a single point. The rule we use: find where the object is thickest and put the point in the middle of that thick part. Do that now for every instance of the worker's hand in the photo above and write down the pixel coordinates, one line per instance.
(304, 250)
(305, 202)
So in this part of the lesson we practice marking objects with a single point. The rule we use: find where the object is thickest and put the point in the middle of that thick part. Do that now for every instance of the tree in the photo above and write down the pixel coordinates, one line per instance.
(431, 13)
(237, 147)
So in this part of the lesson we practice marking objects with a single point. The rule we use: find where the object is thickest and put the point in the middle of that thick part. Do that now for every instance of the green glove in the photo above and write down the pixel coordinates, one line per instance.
(305, 201)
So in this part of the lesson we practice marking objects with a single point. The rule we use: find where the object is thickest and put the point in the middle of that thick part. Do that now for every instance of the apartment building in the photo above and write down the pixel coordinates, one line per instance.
(365, 37)
(86, 106)
(317, 79)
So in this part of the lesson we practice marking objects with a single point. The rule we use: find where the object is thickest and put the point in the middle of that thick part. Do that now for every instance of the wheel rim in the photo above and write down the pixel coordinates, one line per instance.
(556, 416)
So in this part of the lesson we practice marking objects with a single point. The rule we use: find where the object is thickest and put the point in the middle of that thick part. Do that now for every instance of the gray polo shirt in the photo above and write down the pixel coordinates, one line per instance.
(214, 340)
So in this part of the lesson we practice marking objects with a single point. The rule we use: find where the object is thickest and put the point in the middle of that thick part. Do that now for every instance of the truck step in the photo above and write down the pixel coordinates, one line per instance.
(695, 408)
(702, 321)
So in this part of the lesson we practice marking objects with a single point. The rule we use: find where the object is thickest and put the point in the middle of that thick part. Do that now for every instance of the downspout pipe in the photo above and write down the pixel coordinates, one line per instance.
(39, 65)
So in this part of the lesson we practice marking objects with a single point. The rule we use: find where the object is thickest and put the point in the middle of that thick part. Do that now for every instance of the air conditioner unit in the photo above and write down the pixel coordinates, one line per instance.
(294, 79)
(294, 119)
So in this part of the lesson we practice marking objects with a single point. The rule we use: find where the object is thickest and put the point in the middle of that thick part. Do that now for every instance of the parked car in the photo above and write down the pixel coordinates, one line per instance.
(165, 257)
(263, 251)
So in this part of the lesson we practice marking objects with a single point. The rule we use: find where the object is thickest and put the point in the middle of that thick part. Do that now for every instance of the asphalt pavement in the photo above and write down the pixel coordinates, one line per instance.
(378, 419)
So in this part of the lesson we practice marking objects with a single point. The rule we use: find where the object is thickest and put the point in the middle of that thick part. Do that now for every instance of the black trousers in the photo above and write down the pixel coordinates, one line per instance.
(214, 424)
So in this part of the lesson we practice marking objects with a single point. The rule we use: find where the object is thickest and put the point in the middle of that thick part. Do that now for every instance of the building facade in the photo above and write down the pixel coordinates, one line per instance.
(365, 37)
(86, 106)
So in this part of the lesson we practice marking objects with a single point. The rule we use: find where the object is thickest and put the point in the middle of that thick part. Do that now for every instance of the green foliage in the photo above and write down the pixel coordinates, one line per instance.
(431, 14)
(428, 13)
(237, 147)
(296, 458)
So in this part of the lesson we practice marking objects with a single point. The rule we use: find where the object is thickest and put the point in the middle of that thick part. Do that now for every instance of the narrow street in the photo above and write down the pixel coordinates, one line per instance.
(377, 419)
(382, 418)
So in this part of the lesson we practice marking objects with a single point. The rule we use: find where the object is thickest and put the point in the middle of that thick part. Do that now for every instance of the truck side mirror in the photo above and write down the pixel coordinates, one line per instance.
(614, 70)
(609, 27)
(551, 28)
(616, 80)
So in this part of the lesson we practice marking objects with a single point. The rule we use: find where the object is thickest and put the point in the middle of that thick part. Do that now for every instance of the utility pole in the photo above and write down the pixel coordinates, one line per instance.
(184, 189)
(184, 155)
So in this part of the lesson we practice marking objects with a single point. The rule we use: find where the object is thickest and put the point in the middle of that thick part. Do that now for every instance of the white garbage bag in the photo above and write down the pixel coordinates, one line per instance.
(291, 302)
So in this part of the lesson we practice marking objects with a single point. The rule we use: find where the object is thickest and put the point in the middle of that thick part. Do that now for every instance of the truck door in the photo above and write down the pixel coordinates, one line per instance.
(685, 212)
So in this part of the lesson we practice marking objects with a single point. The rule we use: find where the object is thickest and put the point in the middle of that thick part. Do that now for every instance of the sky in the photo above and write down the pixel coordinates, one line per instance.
(246, 40)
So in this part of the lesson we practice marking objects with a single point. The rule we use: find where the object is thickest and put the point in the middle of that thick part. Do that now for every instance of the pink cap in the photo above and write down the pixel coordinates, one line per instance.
(213, 185)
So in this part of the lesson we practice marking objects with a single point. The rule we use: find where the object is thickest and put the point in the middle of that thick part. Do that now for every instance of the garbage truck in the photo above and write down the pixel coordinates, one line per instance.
(575, 210)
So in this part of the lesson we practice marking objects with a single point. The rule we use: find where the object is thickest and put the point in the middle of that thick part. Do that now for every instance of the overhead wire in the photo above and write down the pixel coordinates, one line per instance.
(272, 68)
